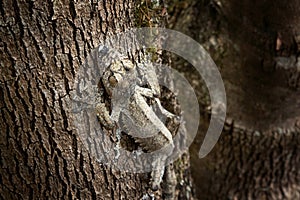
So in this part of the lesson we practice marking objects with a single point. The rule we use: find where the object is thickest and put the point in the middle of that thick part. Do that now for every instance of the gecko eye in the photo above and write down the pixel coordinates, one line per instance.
(113, 81)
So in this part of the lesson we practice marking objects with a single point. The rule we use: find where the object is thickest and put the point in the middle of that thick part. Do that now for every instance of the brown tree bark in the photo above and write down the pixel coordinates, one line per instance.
(43, 44)
(258, 155)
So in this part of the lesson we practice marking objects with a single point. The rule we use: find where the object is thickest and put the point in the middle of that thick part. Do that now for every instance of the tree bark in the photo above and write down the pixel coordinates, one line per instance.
(258, 155)
(43, 44)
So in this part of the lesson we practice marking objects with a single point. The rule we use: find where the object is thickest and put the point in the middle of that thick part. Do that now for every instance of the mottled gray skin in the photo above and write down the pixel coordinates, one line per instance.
(125, 84)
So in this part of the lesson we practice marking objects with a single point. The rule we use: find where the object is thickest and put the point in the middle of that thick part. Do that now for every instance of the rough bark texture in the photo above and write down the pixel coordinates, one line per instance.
(258, 155)
(43, 44)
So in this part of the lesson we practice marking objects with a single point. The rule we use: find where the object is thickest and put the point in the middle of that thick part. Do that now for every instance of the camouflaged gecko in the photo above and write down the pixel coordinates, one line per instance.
(125, 84)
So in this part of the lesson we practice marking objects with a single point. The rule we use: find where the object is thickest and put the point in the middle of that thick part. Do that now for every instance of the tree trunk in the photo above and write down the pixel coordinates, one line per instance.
(43, 44)
(256, 47)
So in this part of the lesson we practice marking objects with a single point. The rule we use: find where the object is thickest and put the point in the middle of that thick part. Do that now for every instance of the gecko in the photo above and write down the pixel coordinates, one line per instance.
(130, 88)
